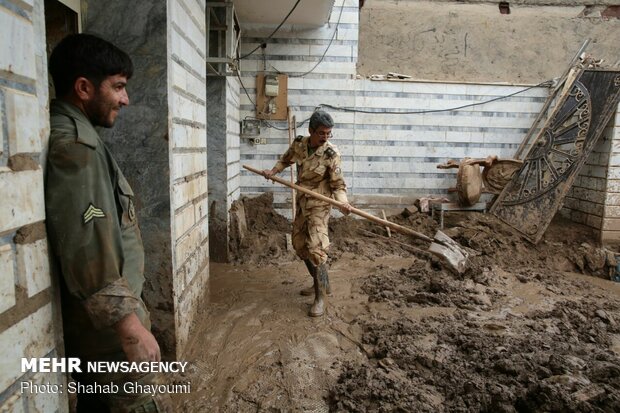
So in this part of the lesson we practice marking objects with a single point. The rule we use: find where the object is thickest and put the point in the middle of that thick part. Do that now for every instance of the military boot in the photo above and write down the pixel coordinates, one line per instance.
(320, 296)
(310, 290)
(311, 269)
(328, 289)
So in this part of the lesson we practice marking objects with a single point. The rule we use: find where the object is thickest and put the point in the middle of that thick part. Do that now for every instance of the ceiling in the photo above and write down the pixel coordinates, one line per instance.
(272, 12)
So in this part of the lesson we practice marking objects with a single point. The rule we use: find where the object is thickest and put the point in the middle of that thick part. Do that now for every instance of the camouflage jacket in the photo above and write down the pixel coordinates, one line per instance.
(320, 172)
(93, 234)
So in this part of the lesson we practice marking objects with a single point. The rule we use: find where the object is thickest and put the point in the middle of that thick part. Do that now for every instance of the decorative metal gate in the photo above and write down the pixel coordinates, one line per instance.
(537, 190)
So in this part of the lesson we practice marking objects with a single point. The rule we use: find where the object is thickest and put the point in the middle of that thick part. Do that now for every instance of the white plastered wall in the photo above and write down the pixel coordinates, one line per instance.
(29, 326)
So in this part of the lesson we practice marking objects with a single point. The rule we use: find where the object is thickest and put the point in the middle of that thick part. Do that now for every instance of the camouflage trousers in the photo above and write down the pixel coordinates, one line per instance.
(310, 234)
(122, 401)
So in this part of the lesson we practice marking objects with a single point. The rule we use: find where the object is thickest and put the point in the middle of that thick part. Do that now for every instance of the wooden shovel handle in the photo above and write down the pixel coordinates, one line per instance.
(395, 227)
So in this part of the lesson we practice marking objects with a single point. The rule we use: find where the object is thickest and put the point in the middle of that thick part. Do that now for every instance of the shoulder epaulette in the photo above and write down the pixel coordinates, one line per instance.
(330, 152)
(299, 138)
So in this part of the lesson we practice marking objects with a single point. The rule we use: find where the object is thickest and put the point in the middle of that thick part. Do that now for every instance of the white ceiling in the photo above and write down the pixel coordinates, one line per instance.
(272, 12)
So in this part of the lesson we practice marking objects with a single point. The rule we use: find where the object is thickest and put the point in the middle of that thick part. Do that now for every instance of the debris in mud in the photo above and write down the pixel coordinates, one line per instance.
(424, 286)
(264, 238)
(487, 356)
(563, 248)
(556, 360)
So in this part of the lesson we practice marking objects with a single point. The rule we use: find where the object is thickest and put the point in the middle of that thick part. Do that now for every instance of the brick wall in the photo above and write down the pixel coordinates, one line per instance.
(585, 201)
(29, 320)
(188, 160)
(610, 228)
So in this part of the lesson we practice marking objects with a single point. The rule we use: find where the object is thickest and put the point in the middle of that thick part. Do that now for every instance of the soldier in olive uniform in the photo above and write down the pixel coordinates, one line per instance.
(318, 169)
(92, 227)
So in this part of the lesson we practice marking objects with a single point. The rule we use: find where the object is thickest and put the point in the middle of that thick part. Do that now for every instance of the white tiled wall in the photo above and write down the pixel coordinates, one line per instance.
(33, 267)
(610, 232)
(388, 159)
(27, 326)
(7, 281)
(585, 201)
(188, 143)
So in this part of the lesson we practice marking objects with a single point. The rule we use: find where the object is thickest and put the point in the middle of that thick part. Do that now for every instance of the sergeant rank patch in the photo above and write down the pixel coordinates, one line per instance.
(92, 212)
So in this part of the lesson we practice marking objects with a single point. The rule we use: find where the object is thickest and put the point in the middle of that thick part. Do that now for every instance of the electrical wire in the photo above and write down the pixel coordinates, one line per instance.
(326, 105)
(414, 112)
(274, 32)
(270, 125)
(324, 53)
(328, 45)
(237, 72)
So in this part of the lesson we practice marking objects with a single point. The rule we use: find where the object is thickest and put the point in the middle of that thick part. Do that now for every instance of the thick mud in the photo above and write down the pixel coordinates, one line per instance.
(565, 247)
(496, 352)
(528, 328)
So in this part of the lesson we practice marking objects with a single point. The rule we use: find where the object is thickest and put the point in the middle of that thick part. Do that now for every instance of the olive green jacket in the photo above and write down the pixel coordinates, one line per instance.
(93, 234)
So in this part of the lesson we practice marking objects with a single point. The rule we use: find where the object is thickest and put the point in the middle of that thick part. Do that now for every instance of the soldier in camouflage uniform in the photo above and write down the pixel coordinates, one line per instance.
(92, 227)
(318, 169)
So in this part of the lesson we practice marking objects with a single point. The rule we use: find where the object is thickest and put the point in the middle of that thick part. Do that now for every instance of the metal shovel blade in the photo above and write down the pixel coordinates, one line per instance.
(450, 252)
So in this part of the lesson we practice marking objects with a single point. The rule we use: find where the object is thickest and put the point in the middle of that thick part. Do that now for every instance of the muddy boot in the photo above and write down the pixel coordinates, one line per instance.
(320, 298)
(328, 289)
(310, 290)
(311, 269)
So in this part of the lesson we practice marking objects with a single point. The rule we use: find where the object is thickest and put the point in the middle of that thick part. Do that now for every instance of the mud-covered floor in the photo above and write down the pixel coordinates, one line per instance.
(527, 328)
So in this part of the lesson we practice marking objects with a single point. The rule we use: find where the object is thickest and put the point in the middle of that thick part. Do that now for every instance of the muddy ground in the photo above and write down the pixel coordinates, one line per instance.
(526, 329)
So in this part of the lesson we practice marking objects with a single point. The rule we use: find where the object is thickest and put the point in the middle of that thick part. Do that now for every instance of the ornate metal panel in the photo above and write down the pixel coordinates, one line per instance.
(537, 190)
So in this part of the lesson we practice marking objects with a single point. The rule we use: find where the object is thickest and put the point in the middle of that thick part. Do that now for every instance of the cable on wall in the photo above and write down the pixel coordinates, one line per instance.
(270, 125)
(546, 83)
(324, 53)
(238, 73)
(414, 112)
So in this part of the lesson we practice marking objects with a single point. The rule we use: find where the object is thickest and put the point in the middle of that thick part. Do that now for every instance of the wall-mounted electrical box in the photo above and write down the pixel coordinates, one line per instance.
(250, 130)
(271, 96)
(271, 86)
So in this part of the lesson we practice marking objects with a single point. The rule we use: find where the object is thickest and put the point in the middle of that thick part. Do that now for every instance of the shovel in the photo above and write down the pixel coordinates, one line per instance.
(442, 245)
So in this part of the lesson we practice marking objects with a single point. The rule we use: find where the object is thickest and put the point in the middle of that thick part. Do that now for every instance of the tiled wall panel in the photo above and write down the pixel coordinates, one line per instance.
(27, 325)
(188, 142)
